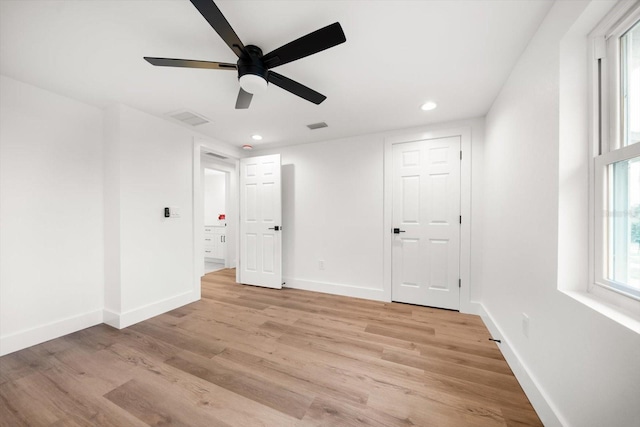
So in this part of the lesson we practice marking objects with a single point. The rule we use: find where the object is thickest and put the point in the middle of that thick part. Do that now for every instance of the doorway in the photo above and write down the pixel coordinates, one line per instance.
(207, 155)
(214, 186)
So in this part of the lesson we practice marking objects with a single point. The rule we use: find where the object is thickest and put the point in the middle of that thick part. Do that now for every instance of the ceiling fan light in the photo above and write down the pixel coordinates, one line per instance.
(253, 84)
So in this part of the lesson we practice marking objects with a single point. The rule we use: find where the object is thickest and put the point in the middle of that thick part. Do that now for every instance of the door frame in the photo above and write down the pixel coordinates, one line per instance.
(464, 132)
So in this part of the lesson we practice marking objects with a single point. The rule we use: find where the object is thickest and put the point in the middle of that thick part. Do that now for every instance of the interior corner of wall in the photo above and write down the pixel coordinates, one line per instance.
(472, 307)
(136, 315)
(111, 318)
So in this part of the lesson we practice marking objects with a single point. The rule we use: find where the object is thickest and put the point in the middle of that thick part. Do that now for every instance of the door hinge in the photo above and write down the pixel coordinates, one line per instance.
(459, 283)
(460, 154)
(460, 219)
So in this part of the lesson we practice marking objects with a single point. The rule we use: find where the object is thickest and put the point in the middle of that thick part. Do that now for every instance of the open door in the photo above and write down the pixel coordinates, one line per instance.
(260, 221)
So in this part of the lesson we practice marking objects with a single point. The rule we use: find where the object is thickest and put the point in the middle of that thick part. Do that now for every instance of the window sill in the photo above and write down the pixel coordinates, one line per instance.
(626, 318)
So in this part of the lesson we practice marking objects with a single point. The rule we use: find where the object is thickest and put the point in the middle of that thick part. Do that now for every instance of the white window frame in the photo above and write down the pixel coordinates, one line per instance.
(606, 141)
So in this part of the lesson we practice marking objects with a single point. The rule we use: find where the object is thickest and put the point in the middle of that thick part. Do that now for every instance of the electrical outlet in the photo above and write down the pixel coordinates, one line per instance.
(321, 264)
(525, 325)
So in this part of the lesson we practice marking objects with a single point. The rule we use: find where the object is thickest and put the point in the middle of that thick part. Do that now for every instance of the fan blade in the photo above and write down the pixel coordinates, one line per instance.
(315, 42)
(190, 63)
(244, 100)
(295, 88)
(216, 19)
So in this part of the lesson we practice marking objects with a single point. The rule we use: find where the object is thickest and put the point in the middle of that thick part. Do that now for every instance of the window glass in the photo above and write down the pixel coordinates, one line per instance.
(630, 87)
(624, 224)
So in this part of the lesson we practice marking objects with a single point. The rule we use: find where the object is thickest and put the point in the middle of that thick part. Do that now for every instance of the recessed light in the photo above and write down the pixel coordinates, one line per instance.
(247, 147)
(256, 137)
(428, 106)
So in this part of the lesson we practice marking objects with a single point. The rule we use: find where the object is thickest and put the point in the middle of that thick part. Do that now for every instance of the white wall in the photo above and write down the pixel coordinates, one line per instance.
(82, 192)
(332, 211)
(51, 277)
(214, 197)
(332, 195)
(111, 197)
(149, 165)
(584, 365)
(151, 168)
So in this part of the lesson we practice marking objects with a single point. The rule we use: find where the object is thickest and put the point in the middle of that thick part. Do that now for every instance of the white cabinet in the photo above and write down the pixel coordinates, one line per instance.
(215, 241)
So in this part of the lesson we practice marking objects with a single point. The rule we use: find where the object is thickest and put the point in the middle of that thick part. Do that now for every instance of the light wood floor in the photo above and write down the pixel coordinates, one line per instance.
(247, 356)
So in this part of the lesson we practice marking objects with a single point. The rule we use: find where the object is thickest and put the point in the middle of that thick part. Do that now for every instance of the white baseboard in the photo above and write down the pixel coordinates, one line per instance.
(27, 338)
(130, 317)
(336, 289)
(111, 318)
(544, 407)
(472, 307)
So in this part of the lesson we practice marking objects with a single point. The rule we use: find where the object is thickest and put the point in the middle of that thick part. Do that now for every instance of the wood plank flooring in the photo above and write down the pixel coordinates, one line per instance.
(248, 356)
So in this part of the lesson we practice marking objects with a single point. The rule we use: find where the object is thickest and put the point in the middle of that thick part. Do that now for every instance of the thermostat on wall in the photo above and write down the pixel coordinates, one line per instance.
(172, 212)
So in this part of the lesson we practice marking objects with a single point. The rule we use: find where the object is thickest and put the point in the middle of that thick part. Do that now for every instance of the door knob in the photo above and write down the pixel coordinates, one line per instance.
(397, 231)
(276, 228)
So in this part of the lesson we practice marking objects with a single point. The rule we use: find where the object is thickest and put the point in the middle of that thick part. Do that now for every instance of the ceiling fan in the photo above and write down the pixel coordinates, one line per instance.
(254, 68)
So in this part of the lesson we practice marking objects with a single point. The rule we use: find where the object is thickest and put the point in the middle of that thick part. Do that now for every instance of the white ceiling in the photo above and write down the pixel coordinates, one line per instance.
(398, 54)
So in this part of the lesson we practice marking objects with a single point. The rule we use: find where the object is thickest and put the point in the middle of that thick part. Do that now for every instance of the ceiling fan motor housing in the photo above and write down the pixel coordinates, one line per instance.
(251, 63)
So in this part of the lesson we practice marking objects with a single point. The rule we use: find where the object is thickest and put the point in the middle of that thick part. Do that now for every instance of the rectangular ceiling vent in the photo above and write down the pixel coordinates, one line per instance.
(315, 126)
(217, 156)
(189, 118)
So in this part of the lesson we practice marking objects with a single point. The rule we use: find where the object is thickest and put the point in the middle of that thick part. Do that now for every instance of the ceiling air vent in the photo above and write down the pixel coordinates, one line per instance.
(217, 156)
(189, 118)
(317, 125)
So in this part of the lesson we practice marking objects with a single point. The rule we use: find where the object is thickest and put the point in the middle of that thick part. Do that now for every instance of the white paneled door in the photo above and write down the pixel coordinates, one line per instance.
(425, 255)
(260, 221)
